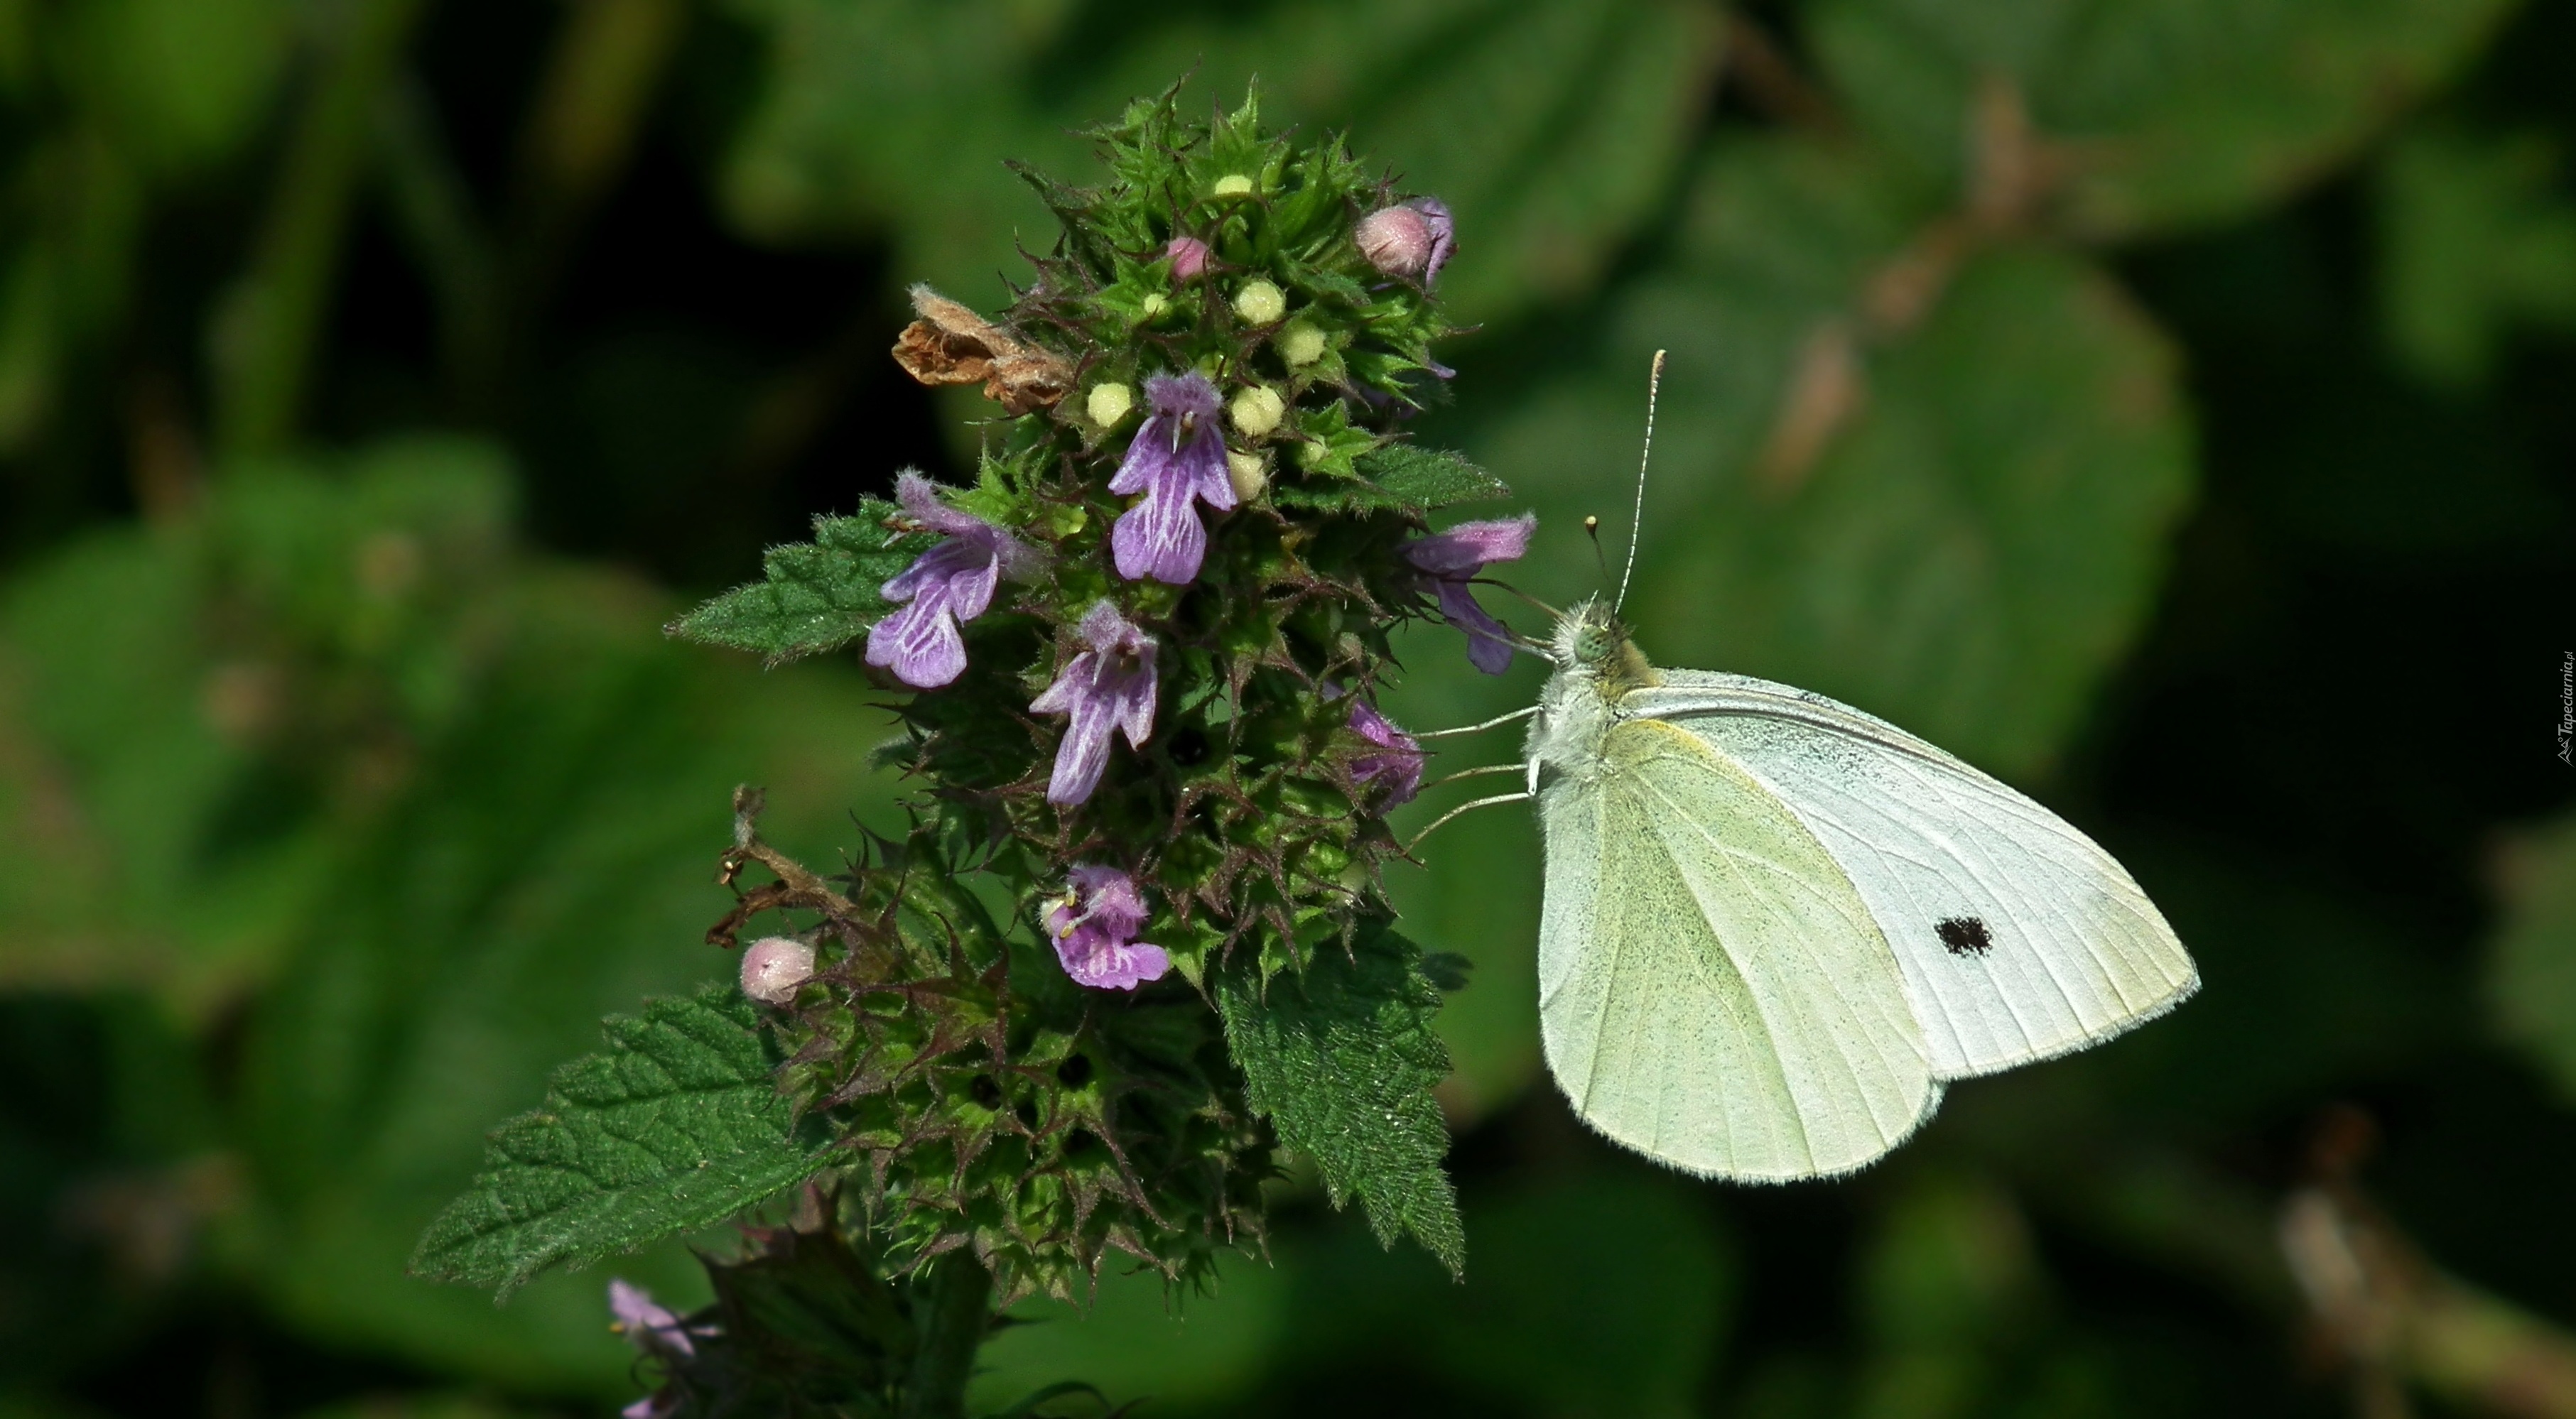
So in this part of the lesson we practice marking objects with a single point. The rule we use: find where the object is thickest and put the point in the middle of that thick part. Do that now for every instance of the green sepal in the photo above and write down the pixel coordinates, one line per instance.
(677, 1125)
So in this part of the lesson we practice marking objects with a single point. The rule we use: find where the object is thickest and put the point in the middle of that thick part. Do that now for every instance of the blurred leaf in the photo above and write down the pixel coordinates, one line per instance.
(181, 83)
(2477, 235)
(1972, 525)
(2531, 978)
(2165, 114)
(818, 596)
(449, 802)
(190, 716)
(678, 1126)
(1551, 127)
(1342, 1059)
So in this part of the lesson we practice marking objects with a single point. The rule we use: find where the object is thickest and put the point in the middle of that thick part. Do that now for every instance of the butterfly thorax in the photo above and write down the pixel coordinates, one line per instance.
(1596, 667)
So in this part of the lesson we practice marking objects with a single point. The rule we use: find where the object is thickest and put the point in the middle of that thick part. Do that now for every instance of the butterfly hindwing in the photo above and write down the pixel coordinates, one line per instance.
(1713, 992)
(2018, 938)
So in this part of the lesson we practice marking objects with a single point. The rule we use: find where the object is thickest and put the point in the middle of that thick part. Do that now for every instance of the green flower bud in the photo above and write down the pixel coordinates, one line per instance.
(1301, 345)
(1233, 184)
(1153, 305)
(1256, 410)
(1260, 303)
(1108, 402)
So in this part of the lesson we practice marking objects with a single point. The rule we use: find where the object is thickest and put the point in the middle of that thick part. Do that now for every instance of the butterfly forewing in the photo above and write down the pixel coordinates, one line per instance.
(2018, 938)
(1713, 991)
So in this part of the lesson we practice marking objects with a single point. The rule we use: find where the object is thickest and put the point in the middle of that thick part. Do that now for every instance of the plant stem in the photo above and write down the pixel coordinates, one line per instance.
(265, 332)
(956, 1314)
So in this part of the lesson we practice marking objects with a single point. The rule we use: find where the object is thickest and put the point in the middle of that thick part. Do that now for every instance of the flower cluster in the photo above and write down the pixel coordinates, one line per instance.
(1144, 651)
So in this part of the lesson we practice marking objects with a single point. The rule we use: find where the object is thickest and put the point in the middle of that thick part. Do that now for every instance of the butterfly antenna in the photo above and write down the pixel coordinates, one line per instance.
(1636, 517)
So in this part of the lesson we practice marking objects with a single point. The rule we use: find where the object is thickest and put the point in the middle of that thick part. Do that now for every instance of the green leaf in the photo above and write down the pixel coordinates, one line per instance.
(2172, 113)
(1973, 524)
(818, 596)
(1399, 477)
(2475, 240)
(677, 1126)
(1343, 1061)
(1421, 479)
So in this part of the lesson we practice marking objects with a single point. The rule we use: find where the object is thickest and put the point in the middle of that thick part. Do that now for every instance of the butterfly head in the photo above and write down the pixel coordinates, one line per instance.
(1593, 642)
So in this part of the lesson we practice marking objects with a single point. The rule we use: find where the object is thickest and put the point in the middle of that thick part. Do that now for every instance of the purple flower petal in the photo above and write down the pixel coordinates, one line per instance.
(1094, 926)
(1400, 767)
(1177, 460)
(920, 497)
(1108, 687)
(1489, 642)
(649, 1326)
(1470, 547)
(1453, 558)
(1444, 235)
(948, 585)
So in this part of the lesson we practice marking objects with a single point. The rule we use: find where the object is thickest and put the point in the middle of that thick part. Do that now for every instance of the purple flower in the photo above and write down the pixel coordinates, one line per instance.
(1110, 686)
(951, 583)
(1094, 926)
(652, 1328)
(1178, 459)
(1189, 256)
(1412, 239)
(1400, 766)
(1460, 553)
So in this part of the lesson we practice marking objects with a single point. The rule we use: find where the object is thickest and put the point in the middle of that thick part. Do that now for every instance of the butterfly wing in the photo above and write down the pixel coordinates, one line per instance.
(2018, 938)
(1712, 991)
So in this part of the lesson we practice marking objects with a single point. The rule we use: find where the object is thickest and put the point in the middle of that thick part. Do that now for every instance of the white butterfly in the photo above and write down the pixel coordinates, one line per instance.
(1775, 926)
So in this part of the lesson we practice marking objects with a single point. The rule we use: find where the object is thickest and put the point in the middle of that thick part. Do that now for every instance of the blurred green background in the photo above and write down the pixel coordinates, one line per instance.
(2169, 405)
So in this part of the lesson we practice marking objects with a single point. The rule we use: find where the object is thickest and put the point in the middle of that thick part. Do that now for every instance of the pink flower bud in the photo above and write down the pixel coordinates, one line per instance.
(1189, 257)
(1412, 239)
(773, 967)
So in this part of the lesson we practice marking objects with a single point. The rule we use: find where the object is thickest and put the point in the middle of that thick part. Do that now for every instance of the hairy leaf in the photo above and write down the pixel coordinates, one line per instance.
(1342, 1060)
(818, 596)
(1397, 478)
(677, 1126)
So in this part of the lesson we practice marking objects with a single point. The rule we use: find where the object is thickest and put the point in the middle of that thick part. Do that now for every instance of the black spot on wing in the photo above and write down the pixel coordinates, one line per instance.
(1964, 935)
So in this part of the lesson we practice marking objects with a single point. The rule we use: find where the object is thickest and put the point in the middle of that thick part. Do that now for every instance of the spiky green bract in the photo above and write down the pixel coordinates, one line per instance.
(678, 1125)
(806, 1321)
(986, 1102)
(1343, 1059)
